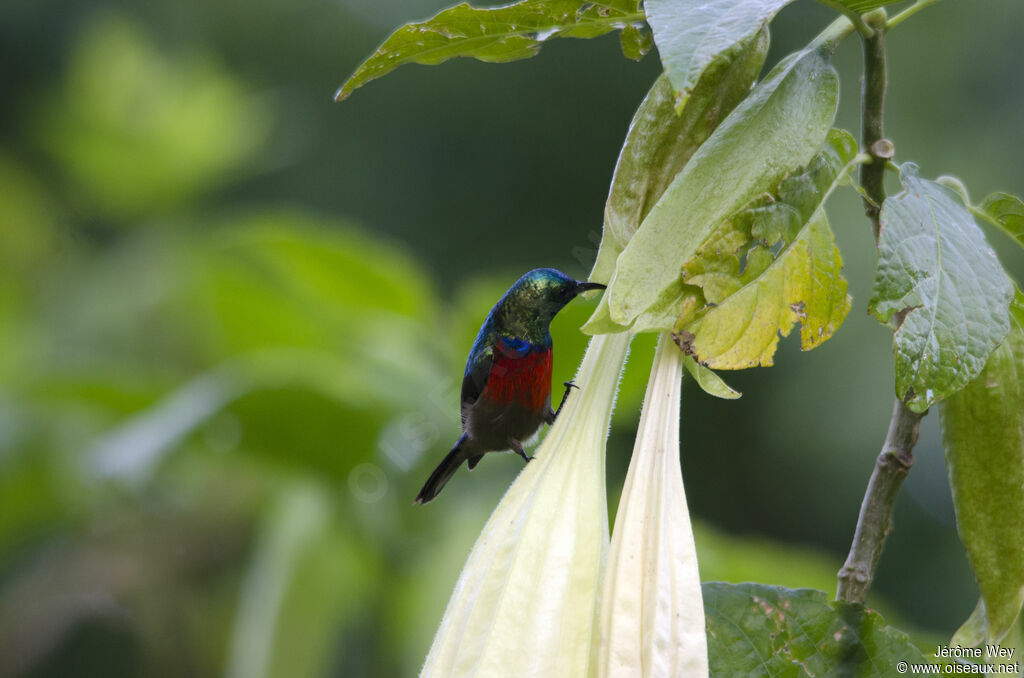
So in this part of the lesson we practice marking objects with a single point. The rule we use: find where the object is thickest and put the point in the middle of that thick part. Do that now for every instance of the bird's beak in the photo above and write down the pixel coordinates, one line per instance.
(582, 287)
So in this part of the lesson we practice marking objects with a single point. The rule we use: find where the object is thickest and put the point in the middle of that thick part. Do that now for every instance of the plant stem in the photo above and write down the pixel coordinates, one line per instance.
(875, 520)
(828, 40)
(909, 12)
(854, 18)
(873, 142)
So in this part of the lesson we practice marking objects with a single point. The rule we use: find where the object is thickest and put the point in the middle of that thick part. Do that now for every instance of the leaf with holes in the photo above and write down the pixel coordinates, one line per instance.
(983, 437)
(940, 287)
(760, 630)
(767, 267)
(501, 34)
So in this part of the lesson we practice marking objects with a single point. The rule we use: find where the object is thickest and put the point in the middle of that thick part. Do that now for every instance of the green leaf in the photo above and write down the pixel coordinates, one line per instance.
(300, 583)
(760, 630)
(710, 382)
(500, 34)
(692, 35)
(636, 41)
(660, 143)
(780, 125)
(298, 518)
(767, 267)
(137, 130)
(973, 631)
(983, 437)
(27, 222)
(331, 588)
(296, 322)
(1004, 211)
(132, 449)
(940, 287)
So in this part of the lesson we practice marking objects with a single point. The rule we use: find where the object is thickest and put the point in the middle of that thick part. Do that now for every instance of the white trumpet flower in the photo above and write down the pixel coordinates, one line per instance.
(652, 613)
(526, 601)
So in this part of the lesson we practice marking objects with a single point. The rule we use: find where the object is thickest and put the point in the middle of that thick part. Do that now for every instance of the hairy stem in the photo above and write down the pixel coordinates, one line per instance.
(875, 520)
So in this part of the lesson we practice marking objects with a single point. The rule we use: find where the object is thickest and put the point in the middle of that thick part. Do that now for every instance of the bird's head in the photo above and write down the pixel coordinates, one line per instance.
(534, 299)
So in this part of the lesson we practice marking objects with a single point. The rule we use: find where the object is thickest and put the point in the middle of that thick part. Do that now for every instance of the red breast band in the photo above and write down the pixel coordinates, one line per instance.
(526, 380)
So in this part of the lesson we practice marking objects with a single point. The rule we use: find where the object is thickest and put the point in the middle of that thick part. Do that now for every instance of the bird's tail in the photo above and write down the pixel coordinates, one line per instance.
(444, 471)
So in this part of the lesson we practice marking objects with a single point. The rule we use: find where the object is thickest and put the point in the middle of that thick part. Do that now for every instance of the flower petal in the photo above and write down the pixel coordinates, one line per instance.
(652, 614)
(526, 601)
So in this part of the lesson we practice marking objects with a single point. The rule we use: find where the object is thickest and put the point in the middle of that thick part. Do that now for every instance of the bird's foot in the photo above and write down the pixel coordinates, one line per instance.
(517, 447)
(569, 386)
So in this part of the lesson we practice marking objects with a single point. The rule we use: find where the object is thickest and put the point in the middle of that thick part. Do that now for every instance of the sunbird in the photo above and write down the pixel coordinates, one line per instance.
(506, 390)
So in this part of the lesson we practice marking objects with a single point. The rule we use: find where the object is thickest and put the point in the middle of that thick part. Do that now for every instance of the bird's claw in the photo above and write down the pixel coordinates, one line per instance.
(569, 386)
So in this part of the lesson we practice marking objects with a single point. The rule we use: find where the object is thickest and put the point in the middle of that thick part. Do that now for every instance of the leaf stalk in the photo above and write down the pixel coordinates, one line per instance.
(854, 18)
(909, 12)
(837, 31)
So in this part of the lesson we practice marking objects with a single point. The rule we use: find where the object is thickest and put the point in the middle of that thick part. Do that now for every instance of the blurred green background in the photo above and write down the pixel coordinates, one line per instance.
(233, 318)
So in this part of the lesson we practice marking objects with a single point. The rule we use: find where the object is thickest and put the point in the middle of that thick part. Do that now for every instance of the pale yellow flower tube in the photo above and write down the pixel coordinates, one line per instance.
(652, 613)
(525, 604)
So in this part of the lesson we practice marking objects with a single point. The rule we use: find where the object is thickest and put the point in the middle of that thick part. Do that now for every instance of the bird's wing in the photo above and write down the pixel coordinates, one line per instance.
(478, 369)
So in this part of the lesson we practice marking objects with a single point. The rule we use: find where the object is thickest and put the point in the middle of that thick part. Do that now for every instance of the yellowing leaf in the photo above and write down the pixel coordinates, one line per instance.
(766, 268)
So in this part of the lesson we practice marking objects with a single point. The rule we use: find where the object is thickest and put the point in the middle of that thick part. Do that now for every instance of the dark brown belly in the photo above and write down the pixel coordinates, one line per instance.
(491, 427)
